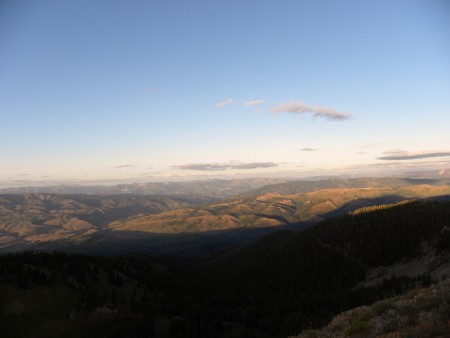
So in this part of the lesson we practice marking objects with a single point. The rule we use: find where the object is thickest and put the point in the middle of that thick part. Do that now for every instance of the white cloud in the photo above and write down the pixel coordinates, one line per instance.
(225, 166)
(254, 103)
(224, 103)
(302, 108)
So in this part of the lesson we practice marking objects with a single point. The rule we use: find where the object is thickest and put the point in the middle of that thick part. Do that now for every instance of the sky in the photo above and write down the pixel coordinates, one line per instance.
(108, 90)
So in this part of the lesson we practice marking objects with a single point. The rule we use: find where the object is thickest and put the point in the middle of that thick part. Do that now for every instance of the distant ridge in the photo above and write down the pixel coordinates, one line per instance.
(295, 187)
(218, 188)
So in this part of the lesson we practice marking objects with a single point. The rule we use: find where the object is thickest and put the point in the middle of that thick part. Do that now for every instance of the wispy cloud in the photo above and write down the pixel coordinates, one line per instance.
(302, 108)
(225, 166)
(224, 103)
(394, 152)
(309, 149)
(367, 146)
(124, 166)
(409, 156)
(254, 103)
(397, 164)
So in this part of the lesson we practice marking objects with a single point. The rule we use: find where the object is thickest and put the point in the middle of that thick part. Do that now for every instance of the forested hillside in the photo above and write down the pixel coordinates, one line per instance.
(275, 287)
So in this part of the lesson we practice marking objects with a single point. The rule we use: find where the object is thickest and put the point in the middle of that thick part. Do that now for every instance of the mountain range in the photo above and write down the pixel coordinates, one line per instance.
(216, 188)
(189, 223)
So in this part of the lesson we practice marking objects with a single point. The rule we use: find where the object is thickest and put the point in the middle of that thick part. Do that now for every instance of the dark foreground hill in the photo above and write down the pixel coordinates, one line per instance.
(275, 287)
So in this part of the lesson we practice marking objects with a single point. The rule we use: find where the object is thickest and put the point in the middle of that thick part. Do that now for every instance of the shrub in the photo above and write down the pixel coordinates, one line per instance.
(357, 327)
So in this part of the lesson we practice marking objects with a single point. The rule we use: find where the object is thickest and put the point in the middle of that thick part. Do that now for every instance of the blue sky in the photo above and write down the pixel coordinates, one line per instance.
(151, 90)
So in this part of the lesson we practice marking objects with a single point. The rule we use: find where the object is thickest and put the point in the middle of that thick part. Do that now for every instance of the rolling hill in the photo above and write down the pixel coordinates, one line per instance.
(38, 217)
(273, 209)
(186, 224)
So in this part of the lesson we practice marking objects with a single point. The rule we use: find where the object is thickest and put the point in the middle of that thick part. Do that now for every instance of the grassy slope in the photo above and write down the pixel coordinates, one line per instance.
(421, 312)
(273, 210)
(49, 217)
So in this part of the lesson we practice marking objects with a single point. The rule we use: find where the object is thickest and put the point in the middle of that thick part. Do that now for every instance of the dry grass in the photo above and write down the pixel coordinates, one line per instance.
(253, 212)
(418, 313)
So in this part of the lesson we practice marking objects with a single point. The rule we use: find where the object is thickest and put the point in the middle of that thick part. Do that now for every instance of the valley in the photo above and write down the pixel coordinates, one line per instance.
(42, 217)
(196, 223)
